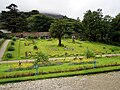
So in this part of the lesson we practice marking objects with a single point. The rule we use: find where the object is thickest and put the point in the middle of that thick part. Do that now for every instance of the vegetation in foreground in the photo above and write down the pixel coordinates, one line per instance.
(61, 68)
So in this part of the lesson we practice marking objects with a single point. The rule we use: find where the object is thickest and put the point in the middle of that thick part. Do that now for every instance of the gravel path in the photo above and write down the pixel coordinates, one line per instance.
(108, 81)
(3, 48)
(28, 60)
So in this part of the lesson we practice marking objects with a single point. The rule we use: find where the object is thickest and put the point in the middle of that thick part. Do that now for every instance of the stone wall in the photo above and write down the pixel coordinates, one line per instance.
(26, 34)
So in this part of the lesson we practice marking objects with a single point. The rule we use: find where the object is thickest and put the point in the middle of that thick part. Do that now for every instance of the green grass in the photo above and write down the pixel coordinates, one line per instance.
(56, 75)
(15, 53)
(52, 50)
(65, 66)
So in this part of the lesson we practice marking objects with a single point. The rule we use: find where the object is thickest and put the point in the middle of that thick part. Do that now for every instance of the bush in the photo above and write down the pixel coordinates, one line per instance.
(12, 43)
(9, 55)
(14, 38)
(31, 37)
(35, 47)
(89, 54)
(103, 47)
(11, 48)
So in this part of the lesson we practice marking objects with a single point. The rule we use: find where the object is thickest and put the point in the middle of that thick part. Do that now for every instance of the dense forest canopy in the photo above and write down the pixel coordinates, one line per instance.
(94, 26)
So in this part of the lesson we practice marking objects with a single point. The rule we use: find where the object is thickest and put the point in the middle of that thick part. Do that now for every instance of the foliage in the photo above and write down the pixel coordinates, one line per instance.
(12, 43)
(89, 53)
(39, 23)
(58, 29)
(92, 24)
(11, 48)
(12, 19)
(41, 57)
(103, 29)
(14, 38)
(9, 55)
(35, 47)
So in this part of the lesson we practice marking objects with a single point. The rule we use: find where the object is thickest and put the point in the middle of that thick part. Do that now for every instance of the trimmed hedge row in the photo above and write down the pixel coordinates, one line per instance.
(57, 71)
(48, 76)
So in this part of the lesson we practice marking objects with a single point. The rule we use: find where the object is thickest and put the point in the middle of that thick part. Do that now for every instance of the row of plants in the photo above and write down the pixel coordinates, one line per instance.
(68, 74)
(24, 74)
(11, 48)
(19, 68)
(88, 54)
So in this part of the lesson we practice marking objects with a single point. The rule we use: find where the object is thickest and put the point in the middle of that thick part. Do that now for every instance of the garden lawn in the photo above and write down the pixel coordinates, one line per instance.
(50, 48)
(15, 53)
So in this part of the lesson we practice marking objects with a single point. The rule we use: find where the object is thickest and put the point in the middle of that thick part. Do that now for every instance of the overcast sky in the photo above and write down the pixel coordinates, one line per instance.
(70, 8)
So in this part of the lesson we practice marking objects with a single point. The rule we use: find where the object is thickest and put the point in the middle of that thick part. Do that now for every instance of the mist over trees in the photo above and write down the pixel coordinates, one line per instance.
(94, 26)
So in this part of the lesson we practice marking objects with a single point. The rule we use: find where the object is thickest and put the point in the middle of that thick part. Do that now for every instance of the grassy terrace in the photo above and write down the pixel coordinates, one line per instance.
(52, 50)
(65, 67)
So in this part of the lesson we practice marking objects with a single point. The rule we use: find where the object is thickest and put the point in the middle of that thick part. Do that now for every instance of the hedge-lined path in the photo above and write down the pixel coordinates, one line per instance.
(32, 60)
(106, 81)
(3, 48)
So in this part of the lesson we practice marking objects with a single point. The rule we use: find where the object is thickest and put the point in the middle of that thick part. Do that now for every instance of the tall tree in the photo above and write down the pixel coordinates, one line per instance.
(58, 29)
(39, 22)
(92, 24)
(116, 29)
(12, 19)
(106, 29)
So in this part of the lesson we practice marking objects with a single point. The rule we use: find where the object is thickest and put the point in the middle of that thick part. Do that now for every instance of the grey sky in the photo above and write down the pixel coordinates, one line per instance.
(71, 8)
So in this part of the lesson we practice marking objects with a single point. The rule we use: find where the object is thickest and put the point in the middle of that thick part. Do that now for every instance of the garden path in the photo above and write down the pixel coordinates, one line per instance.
(28, 60)
(3, 48)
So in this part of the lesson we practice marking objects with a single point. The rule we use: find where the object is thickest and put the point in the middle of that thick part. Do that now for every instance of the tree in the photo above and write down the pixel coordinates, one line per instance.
(41, 57)
(92, 24)
(33, 12)
(106, 29)
(12, 7)
(58, 29)
(12, 19)
(116, 29)
(39, 23)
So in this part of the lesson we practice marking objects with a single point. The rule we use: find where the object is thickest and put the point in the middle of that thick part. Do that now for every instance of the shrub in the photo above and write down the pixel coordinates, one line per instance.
(89, 53)
(14, 38)
(35, 47)
(103, 47)
(12, 43)
(9, 55)
(11, 48)
(31, 37)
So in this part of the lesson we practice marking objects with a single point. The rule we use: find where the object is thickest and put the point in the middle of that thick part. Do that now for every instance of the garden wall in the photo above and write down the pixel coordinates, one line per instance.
(35, 34)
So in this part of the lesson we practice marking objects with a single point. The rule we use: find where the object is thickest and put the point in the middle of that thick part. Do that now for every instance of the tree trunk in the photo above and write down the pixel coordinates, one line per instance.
(59, 41)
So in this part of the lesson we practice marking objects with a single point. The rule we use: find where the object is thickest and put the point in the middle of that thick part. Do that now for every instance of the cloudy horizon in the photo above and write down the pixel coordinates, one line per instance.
(70, 8)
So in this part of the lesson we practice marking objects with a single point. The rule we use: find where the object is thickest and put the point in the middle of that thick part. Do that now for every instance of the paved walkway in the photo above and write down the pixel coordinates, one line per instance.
(3, 48)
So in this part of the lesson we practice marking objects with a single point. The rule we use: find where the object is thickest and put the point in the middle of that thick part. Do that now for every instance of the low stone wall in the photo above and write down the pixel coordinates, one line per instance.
(26, 34)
